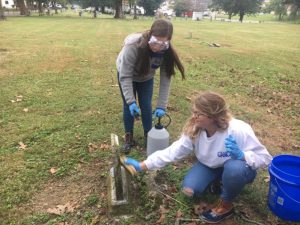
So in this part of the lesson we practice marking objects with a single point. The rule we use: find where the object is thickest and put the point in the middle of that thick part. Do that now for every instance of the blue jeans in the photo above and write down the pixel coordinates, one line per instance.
(234, 176)
(144, 91)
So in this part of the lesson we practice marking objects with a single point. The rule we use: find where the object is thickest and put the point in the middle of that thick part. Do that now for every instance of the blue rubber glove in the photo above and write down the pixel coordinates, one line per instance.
(134, 109)
(134, 163)
(159, 112)
(233, 148)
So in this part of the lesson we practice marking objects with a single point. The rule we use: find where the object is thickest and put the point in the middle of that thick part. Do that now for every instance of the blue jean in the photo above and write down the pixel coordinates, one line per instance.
(235, 174)
(144, 91)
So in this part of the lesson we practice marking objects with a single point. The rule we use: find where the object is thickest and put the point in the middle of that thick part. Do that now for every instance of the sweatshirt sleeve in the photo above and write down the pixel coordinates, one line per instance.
(178, 150)
(164, 87)
(126, 64)
(256, 154)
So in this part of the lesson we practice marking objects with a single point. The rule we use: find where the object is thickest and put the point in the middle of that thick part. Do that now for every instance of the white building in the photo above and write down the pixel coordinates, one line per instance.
(8, 4)
(165, 8)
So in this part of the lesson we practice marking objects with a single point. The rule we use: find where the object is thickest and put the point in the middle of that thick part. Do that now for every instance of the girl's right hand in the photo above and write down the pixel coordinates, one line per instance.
(134, 109)
(134, 163)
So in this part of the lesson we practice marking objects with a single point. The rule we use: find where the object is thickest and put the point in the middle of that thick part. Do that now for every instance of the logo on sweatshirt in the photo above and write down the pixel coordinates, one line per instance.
(223, 154)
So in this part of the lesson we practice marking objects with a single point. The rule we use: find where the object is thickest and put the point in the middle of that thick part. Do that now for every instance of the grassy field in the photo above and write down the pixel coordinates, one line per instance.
(59, 103)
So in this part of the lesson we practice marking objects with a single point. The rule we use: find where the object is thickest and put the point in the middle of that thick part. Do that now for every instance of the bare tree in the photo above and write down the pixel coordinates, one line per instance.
(119, 11)
(2, 17)
(40, 8)
(23, 8)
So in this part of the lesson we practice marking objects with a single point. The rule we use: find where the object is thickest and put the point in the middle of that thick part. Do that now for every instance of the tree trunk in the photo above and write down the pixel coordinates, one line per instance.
(229, 16)
(241, 16)
(2, 17)
(41, 8)
(294, 12)
(135, 16)
(119, 11)
(23, 7)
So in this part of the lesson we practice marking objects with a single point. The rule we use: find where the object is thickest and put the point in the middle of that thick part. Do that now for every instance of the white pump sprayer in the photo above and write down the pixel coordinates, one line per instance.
(158, 137)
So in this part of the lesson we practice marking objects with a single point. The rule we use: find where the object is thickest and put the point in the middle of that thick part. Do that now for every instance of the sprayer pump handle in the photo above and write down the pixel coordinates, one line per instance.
(159, 124)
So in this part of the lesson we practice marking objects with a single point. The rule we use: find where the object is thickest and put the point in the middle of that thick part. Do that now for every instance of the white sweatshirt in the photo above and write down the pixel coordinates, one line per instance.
(211, 151)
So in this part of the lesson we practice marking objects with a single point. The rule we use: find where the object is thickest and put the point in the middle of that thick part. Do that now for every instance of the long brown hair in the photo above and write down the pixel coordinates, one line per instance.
(212, 105)
(160, 28)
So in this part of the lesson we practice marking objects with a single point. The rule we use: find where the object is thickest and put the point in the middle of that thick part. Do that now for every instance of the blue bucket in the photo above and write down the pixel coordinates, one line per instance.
(284, 189)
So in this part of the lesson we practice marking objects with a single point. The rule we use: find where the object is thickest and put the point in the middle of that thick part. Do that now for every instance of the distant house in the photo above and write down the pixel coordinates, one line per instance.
(8, 4)
(198, 9)
(200, 5)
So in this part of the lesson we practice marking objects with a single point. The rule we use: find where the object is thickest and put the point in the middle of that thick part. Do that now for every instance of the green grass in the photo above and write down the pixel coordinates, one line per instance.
(262, 18)
(64, 69)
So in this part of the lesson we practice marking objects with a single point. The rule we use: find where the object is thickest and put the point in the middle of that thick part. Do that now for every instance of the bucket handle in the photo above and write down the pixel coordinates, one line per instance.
(285, 192)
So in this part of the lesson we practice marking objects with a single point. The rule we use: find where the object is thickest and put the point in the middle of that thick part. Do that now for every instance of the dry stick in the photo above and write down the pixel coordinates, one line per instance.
(250, 221)
(178, 220)
(171, 198)
(240, 214)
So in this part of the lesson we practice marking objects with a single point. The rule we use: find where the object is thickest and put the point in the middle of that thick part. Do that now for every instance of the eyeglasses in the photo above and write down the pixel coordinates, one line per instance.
(197, 114)
(163, 45)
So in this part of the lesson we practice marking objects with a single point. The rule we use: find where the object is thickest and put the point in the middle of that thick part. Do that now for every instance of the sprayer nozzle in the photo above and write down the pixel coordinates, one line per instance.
(129, 168)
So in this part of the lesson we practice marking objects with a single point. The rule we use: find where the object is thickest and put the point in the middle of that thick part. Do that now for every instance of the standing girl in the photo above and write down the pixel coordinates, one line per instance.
(140, 57)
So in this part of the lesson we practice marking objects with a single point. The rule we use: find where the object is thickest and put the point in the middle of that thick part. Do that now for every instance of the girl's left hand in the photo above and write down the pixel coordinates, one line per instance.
(233, 148)
(159, 112)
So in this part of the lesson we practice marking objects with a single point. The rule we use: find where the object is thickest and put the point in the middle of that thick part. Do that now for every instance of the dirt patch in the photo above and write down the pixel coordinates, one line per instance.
(90, 179)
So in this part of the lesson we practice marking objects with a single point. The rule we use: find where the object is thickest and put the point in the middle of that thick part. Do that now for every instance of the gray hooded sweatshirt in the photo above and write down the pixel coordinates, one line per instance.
(126, 66)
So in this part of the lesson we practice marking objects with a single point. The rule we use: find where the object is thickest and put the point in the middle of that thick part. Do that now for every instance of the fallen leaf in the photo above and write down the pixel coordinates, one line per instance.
(95, 220)
(163, 210)
(200, 208)
(165, 187)
(267, 179)
(58, 210)
(25, 109)
(77, 136)
(92, 147)
(61, 209)
(188, 98)
(179, 214)
(172, 189)
(104, 147)
(22, 145)
(53, 170)
(102, 211)
(103, 194)
(161, 219)
(12, 101)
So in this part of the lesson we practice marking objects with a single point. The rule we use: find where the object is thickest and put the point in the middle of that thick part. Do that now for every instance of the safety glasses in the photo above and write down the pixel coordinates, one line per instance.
(198, 114)
(162, 45)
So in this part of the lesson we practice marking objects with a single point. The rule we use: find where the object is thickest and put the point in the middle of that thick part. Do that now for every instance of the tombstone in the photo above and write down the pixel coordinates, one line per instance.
(197, 16)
